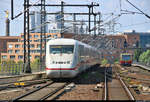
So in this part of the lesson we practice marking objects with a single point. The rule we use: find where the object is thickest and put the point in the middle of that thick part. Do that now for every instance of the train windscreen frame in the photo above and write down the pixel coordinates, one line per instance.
(61, 49)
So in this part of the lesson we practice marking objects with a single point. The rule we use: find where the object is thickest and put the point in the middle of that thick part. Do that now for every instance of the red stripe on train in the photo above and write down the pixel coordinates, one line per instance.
(64, 68)
(61, 68)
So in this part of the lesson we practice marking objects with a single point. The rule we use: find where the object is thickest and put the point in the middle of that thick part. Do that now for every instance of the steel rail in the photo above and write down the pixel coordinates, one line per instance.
(105, 97)
(124, 86)
(20, 83)
(32, 91)
(127, 89)
(53, 92)
(25, 81)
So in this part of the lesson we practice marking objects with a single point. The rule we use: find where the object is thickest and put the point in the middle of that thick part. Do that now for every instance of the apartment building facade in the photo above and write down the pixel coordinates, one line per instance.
(4, 40)
(15, 50)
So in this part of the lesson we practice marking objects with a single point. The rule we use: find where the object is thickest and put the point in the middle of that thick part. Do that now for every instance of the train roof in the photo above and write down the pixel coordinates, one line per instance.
(66, 41)
(61, 41)
(126, 53)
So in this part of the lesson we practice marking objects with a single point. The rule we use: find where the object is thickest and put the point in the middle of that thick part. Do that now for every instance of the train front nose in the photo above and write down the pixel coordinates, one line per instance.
(61, 73)
(53, 73)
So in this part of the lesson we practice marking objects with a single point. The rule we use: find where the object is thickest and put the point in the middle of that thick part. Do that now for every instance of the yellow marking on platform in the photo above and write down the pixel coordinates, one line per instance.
(22, 84)
(16, 84)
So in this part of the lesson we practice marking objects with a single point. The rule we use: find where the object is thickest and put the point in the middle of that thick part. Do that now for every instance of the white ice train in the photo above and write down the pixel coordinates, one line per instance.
(65, 58)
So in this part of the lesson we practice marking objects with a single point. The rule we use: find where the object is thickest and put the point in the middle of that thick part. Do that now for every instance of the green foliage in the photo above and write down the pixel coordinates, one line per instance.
(11, 67)
(145, 57)
(104, 62)
(137, 54)
(11, 62)
(20, 62)
(116, 61)
(35, 64)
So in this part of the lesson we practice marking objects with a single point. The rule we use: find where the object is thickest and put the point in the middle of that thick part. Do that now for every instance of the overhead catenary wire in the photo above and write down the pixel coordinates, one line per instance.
(138, 9)
(25, 10)
(137, 24)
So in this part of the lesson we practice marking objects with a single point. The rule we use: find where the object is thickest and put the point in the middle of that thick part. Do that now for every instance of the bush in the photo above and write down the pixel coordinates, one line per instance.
(104, 62)
(116, 61)
(144, 57)
(35, 64)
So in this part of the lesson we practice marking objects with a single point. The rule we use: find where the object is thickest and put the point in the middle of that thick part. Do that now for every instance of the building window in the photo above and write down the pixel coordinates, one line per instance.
(32, 51)
(49, 36)
(30, 36)
(38, 51)
(17, 51)
(4, 57)
(12, 57)
(10, 46)
(38, 46)
(36, 40)
(37, 57)
(20, 57)
(10, 51)
(32, 45)
(36, 36)
(22, 36)
(55, 36)
(17, 46)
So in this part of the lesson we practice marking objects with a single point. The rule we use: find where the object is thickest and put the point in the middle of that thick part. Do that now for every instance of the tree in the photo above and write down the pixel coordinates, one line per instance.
(137, 54)
(11, 62)
(35, 64)
(116, 61)
(104, 61)
(20, 62)
(144, 57)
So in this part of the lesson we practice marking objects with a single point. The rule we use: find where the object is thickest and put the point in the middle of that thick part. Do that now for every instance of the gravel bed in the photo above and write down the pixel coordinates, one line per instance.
(85, 84)
(10, 94)
(139, 76)
(81, 92)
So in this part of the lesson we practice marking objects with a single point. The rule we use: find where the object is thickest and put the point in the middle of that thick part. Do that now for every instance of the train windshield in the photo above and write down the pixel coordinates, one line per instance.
(57, 49)
(126, 57)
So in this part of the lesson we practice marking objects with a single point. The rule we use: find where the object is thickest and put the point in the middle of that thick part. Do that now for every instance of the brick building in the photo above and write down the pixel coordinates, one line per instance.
(15, 50)
(4, 40)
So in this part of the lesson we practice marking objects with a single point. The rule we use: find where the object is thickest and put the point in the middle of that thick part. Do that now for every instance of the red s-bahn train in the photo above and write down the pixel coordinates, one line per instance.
(126, 59)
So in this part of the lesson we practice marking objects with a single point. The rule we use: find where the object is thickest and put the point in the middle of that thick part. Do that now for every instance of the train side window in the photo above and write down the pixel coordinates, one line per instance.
(81, 50)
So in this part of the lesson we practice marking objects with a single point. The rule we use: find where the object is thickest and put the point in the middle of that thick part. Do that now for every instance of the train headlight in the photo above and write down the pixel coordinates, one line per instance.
(68, 62)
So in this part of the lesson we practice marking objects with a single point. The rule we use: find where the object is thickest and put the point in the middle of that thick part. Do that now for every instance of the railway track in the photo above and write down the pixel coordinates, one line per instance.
(116, 89)
(16, 84)
(44, 92)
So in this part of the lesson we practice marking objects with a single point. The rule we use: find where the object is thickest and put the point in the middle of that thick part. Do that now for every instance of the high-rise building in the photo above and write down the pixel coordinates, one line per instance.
(58, 18)
(32, 21)
(35, 22)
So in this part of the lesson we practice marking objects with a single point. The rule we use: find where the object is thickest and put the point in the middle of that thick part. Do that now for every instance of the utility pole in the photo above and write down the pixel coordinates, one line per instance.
(99, 23)
(42, 13)
(74, 25)
(26, 34)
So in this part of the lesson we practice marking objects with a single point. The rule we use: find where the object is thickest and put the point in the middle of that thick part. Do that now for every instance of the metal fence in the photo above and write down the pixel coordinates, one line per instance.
(18, 69)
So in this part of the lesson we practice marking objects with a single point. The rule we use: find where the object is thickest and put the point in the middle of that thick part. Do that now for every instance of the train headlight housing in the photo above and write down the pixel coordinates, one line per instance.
(68, 62)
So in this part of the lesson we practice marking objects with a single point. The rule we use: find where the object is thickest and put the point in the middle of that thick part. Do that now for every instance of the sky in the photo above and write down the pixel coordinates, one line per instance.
(108, 9)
